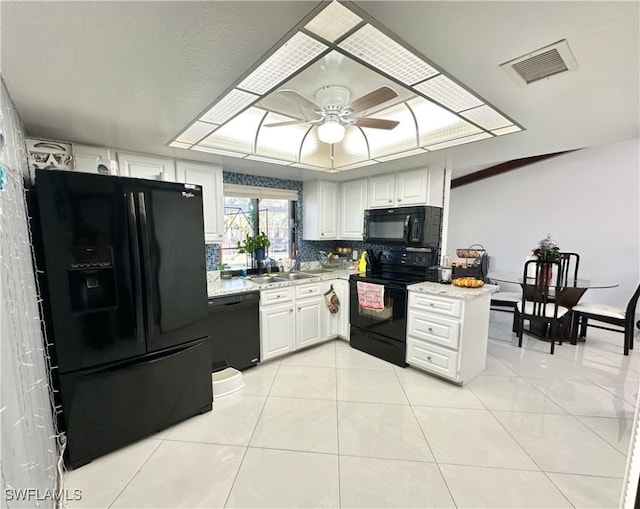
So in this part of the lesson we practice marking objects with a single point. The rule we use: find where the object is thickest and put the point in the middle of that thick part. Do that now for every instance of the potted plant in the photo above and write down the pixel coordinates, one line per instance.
(254, 246)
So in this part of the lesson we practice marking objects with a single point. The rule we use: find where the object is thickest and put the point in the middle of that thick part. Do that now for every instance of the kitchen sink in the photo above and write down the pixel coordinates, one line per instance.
(317, 271)
(266, 279)
(292, 276)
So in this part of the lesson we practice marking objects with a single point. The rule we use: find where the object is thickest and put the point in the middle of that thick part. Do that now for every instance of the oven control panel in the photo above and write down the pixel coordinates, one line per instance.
(409, 257)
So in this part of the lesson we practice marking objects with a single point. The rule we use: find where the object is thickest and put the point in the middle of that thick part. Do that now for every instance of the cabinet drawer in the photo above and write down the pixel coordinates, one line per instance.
(276, 295)
(310, 290)
(434, 304)
(434, 328)
(430, 357)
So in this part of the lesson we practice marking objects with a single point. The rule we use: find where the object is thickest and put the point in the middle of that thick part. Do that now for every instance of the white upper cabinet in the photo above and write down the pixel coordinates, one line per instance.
(209, 177)
(354, 202)
(94, 159)
(320, 221)
(382, 191)
(412, 188)
(145, 167)
(407, 188)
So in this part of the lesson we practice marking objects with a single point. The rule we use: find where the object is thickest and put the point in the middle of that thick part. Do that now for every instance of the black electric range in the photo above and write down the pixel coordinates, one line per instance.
(378, 300)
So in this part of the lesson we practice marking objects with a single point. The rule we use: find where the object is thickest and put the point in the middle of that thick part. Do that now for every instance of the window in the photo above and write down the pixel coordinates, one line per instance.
(247, 211)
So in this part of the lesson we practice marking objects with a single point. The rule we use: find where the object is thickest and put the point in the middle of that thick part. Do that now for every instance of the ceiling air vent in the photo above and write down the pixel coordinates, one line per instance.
(541, 64)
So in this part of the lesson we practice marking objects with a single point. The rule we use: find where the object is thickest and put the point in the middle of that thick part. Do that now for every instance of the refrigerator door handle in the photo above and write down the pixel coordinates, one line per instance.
(146, 260)
(136, 275)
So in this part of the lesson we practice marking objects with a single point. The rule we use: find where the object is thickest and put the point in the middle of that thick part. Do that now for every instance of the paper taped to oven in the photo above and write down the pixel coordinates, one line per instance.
(371, 296)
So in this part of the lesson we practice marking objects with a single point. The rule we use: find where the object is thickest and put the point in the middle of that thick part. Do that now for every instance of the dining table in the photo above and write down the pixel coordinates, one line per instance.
(569, 293)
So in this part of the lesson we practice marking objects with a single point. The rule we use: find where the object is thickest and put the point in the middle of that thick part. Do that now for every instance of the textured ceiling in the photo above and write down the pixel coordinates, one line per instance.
(130, 75)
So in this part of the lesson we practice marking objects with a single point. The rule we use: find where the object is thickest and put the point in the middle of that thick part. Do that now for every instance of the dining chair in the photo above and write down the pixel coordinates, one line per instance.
(538, 306)
(569, 265)
(507, 301)
(622, 318)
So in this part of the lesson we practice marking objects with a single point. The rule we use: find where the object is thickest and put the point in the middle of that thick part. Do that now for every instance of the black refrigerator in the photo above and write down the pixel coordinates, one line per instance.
(123, 281)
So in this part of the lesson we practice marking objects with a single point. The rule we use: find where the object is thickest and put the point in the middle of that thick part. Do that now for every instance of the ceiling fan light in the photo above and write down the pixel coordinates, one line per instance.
(331, 132)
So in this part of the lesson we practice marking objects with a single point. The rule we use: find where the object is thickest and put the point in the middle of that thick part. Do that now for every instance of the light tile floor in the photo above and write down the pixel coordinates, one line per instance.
(334, 427)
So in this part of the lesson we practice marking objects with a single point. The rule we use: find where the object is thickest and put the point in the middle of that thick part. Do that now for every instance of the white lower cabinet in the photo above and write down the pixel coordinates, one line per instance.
(291, 318)
(309, 321)
(447, 336)
(277, 331)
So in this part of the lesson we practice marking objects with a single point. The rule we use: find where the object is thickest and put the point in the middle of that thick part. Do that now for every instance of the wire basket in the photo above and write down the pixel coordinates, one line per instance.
(473, 254)
(334, 263)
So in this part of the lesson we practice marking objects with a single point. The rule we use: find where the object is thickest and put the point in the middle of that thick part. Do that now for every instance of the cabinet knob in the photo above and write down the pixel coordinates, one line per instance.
(431, 304)
(430, 329)
(299, 309)
(291, 310)
(390, 201)
(322, 234)
(428, 357)
(399, 199)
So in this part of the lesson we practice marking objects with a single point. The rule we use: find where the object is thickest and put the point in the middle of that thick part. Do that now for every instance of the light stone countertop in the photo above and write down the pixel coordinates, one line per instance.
(452, 291)
(217, 287)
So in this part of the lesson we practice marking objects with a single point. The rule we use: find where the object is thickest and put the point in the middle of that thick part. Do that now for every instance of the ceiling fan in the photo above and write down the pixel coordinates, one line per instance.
(334, 110)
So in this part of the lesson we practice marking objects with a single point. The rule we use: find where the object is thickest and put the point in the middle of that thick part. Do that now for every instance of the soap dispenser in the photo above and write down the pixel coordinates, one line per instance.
(362, 264)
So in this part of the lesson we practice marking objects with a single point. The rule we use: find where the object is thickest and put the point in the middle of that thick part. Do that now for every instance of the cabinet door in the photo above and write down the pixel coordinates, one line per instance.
(144, 167)
(328, 195)
(87, 159)
(412, 187)
(277, 332)
(329, 319)
(354, 202)
(342, 289)
(309, 321)
(381, 191)
(436, 187)
(209, 177)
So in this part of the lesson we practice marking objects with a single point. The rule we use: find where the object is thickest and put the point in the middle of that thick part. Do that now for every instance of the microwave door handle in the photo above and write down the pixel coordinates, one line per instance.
(407, 220)
(365, 228)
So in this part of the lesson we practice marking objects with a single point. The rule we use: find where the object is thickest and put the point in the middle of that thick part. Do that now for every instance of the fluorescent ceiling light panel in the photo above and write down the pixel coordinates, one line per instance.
(286, 61)
(196, 132)
(506, 130)
(459, 141)
(268, 160)
(485, 116)
(218, 151)
(179, 144)
(368, 162)
(230, 105)
(280, 142)
(399, 155)
(238, 134)
(399, 139)
(433, 111)
(448, 93)
(382, 52)
(436, 124)
(333, 22)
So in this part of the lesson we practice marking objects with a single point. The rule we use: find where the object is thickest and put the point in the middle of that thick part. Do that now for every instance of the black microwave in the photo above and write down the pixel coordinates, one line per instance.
(406, 226)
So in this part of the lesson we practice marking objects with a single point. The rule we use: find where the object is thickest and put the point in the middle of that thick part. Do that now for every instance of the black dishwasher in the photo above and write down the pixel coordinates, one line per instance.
(234, 329)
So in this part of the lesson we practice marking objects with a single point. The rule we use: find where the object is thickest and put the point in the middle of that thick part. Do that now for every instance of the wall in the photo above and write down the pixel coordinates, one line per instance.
(28, 444)
(589, 200)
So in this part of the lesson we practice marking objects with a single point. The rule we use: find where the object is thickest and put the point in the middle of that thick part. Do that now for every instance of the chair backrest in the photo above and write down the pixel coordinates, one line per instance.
(631, 306)
(569, 265)
(541, 281)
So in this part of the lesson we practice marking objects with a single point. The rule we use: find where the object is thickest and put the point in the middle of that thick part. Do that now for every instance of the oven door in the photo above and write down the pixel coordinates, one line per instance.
(391, 320)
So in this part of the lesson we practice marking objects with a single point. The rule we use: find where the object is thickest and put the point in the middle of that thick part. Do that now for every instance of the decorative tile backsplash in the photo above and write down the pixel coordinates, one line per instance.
(307, 250)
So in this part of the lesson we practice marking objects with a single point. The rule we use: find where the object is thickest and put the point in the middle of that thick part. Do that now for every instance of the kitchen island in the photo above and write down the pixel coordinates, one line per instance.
(447, 329)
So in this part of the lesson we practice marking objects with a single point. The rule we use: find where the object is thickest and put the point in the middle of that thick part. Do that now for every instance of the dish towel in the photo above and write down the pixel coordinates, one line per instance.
(371, 296)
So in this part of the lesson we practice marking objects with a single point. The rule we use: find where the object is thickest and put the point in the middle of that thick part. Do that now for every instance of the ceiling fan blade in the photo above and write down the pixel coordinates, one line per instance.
(294, 96)
(376, 123)
(379, 96)
(289, 122)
